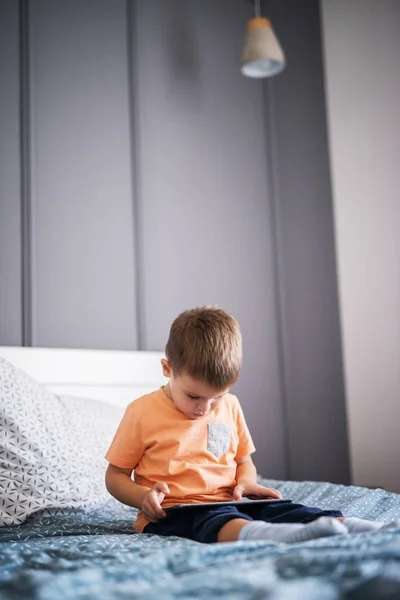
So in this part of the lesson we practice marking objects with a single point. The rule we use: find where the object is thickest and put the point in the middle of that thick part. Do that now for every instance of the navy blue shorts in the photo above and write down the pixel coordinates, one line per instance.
(203, 525)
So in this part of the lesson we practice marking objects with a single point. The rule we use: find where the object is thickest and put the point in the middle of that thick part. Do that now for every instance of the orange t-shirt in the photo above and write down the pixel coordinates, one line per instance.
(195, 458)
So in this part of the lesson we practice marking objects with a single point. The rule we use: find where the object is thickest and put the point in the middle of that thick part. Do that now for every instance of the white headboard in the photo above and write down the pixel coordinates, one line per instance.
(112, 375)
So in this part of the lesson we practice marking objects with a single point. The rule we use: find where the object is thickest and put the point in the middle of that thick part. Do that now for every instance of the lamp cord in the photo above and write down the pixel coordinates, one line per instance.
(257, 8)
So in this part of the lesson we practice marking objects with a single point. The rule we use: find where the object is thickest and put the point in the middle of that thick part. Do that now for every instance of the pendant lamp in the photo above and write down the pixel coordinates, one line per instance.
(262, 53)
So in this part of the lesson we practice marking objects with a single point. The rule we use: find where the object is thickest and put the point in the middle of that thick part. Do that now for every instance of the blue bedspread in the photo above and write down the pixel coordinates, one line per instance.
(97, 556)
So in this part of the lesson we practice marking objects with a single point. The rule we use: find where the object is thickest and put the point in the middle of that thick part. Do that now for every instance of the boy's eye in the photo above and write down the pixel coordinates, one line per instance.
(193, 397)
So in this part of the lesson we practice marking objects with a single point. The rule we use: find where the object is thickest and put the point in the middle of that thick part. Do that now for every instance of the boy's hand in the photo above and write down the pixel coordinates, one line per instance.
(151, 505)
(255, 491)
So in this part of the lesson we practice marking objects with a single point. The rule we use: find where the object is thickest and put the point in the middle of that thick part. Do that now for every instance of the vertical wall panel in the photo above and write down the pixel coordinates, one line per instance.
(204, 206)
(10, 207)
(314, 388)
(83, 248)
(363, 91)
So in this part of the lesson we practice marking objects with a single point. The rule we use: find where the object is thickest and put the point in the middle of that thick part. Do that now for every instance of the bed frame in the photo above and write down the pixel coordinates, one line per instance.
(115, 376)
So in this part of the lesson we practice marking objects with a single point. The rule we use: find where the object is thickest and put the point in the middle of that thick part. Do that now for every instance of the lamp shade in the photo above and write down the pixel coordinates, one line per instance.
(262, 54)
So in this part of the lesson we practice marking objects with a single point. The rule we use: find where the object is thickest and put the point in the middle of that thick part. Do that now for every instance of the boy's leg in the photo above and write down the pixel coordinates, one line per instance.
(228, 524)
(276, 513)
(285, 522)
(299, 513)
(230, 532)
(356, 525)
(241, 529)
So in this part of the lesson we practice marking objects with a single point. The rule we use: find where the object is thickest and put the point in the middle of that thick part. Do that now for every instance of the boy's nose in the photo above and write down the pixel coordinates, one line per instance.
(205, 406)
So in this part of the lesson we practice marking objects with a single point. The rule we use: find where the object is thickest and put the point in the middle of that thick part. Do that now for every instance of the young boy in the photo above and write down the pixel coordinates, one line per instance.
(188, 443)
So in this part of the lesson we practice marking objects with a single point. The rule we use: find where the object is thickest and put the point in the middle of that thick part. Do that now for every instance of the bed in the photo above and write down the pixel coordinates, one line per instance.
(63, 538)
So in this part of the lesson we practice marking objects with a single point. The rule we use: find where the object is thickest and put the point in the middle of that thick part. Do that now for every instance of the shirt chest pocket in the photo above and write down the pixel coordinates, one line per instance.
(219, 438)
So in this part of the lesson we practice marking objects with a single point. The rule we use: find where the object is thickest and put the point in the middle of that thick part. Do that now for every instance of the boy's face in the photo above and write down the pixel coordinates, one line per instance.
(193, 398)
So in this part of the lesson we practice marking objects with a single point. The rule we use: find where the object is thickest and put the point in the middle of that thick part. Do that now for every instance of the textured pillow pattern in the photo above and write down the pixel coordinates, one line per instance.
(51, 449)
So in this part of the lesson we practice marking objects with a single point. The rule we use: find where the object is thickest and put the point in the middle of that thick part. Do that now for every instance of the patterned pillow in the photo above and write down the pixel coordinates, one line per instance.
(51, 448)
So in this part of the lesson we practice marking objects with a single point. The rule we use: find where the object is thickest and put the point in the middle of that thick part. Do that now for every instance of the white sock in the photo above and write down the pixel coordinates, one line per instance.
(356, 525)
(292, 532)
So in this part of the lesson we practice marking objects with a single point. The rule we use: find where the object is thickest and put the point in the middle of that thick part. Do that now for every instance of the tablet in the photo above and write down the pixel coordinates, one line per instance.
(238, 503)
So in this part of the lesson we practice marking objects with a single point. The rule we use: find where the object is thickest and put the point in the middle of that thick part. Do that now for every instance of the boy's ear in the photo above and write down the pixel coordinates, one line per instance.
(166, 368)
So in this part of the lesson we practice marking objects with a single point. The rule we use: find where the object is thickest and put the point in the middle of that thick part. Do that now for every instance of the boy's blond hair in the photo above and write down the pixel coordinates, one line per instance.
(206, 344)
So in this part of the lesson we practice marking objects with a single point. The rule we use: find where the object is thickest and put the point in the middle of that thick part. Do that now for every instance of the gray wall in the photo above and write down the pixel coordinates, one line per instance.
(308, 295)
(82, 228)
(10, 206)
(161, 179)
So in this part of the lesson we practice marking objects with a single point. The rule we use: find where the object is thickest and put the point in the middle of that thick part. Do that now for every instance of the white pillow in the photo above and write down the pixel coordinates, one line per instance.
(51, 448)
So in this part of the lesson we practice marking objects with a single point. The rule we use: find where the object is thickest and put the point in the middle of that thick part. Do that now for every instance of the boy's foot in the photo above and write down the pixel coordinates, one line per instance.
(356, 525)
(292, 532)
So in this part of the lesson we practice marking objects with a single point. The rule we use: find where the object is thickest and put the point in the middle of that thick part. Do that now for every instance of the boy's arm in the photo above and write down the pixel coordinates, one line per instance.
(246, 482)
(246, 472)
(120, 485)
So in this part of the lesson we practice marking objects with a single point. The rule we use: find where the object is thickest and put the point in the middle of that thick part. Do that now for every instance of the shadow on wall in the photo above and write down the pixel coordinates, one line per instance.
(182, 41)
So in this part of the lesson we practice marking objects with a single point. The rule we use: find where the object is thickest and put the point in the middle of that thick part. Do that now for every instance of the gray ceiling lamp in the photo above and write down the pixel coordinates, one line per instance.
(262, 53)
